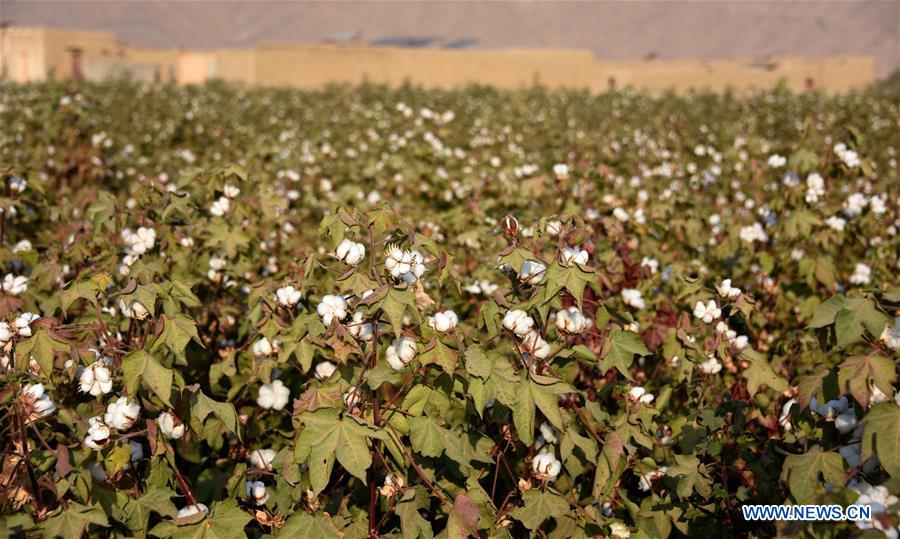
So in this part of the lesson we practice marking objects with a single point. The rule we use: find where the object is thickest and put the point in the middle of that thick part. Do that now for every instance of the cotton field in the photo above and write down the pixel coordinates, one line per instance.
(364, 312)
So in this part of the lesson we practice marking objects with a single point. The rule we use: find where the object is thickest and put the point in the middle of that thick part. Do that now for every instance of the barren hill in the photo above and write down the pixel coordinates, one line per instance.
(613, 30)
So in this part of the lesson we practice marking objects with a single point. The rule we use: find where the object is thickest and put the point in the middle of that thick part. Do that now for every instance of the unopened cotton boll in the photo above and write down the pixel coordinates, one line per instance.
(273, 396)
(573, 255)
(332, 308)
(350, 252)
(532, 272)
(121, 414)
(443, 321)
(401, 353)
(257, 493)
(261, 459)
(572, 321)
(96, 379)
(288, 296)
(170, 426)
(546, 466)
(518, 322)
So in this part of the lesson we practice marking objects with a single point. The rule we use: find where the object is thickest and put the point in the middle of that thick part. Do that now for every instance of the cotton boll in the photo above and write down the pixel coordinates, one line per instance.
(332, 308)
(170, 426)
(121, 414)
(261, 459)
(401, 353)
(518, 322)
(273, 396)
(350, 252)
(573, 255)
(288, 296)
(443, 321)
(546, 466)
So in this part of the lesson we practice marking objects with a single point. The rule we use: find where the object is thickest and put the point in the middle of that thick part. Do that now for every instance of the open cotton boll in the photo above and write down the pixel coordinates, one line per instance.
(170, 426)
(633, 298)
(350, 252)
(707, 312)
(332, 308)
(401, 353)
(121, 414)
(273, 396)
(443, 321)
(288, 296)
(572, 321)
(257, 493)
(518, 322)
(573, 255)
(261, 459)
(192, 510)
(96, 379)
(532, 272)
(324, 370)
(546, 466)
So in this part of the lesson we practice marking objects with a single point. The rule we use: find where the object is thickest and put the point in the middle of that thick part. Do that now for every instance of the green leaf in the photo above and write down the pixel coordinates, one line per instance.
(73, 521)
(477, 362)
(176, 334)
(804, 473)
(302, 525)
(858, 372)
(326, 436)
(539, 506)
(541, 391)
(440, 354)
(620, 351)
(140, 367)
(412, 524)
(154, 500)
(760, 373)
(202, 406)
(42, 346)
(881, 436)
(692, 476)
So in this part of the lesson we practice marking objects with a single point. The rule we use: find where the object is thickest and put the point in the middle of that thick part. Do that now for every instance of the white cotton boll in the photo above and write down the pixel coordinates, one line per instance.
(133, 309)
(518, 322)
(192, 510)
(273, 396)
(572, 321)
(121, 414)
(651, 263)
(96, 379)
(862, 274)
(37, 402)
(546, 466)
(711, 365)
(639, 394)
(548, 433)
(633, 298)
(350, 252)
(708, 312)
(852, 453)
(754, 233)
(726, 290)
(6, 333)
(397, 261)
(561, 171)
(352, 398)
(532, 272)
(534, 344)
(855, 204)
(288, 296)
(231, 191)
(621, 215)
(401, 353)
(776, 161)
(262, 348)
(332, 308)
(846, 421)
(261, 459)
(359, 328)
(647, 479)
(220, 207)
(23, 323)
(740, 342)
(170, 426)
(889, 336)
(836, 223)
(785, 418)
(573, 255)
(16, 184)
(257, 493)
(443, 321)
(324, 370)
(97, 435)
(15, 284)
